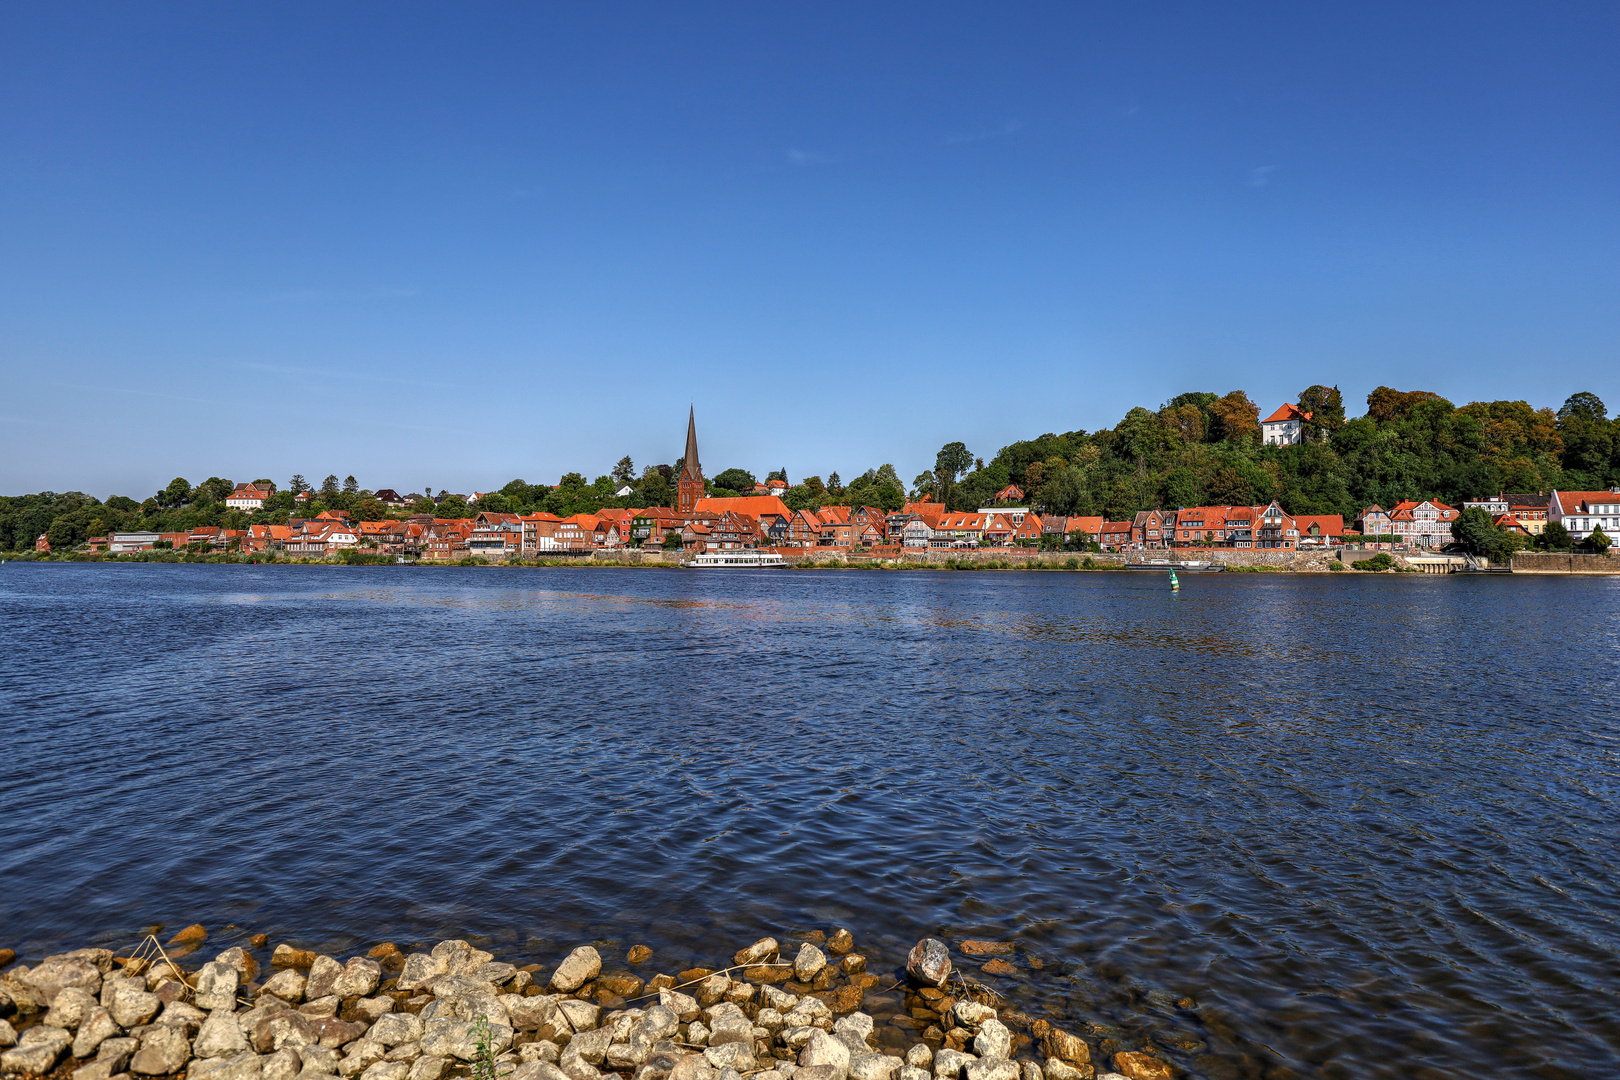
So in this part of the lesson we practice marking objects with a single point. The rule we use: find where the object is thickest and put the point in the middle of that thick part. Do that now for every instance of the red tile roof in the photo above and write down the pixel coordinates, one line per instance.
(1286, 412)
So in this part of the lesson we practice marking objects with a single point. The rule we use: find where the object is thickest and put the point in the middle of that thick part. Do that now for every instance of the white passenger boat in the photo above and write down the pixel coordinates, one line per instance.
(735, 558)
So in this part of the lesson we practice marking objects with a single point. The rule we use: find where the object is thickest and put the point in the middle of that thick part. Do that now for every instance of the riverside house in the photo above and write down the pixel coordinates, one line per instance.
(1584, 512)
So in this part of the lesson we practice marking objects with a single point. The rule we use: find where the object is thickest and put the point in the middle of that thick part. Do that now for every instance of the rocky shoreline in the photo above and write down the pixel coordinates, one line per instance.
(810, 1012)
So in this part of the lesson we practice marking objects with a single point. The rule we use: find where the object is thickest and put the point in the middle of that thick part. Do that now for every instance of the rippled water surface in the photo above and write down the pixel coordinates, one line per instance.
(1275, 825)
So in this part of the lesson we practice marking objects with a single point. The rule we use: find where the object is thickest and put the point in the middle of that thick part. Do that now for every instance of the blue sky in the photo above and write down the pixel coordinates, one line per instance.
(452, 245)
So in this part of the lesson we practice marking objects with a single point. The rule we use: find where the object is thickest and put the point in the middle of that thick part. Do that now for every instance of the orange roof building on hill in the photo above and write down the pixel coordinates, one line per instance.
(755, 506)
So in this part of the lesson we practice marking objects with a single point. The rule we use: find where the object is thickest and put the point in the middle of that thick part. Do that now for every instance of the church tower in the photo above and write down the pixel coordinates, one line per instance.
(689, 485)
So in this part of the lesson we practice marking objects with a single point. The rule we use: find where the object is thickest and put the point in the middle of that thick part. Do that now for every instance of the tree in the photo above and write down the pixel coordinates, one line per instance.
(833, 483)
(1584, 406)
(298, 484)
(952, 461)
(655, 490)
(1326, 406)
(329, 486)
(1235, 418)
(1556, 538)
(625, 470)
(350, 485)
(1598, 541)
(1475, 532)
(778, 474)
(215, 489)
(925, 483)
(734, 479)
(1385, 404)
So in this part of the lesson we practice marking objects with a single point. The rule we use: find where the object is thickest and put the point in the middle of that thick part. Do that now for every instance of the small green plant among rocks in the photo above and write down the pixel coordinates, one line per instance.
(483, 1064)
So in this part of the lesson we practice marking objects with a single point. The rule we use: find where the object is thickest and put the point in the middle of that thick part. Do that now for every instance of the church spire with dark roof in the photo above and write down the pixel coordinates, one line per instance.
(692, 465)
(689, 486)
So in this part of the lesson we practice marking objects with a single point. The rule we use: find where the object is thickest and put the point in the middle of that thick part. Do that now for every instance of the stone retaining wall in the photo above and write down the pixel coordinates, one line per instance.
(1551, 562)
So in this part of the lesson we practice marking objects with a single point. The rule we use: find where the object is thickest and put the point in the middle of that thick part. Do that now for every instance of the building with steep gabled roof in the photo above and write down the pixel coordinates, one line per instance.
(689, 488)
(1285, 427)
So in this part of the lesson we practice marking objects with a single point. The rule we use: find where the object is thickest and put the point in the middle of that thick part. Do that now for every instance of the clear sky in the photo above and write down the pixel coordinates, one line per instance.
(452, 245)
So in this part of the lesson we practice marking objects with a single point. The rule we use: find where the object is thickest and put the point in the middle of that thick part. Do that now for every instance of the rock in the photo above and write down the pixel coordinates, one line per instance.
(387, 1070)
(994, 1040)
(181, 1015)
(731, 1055)
(682, 1005)
(920, 1056)
(419, 968)
(758, 951)
(428, 1067)
(359, 978)
(240, 959)
(581, 1015)
(7, 956)
(130, 1005)
(164, 1050)
(808, 964)
(362, 1055)
(321, 1007)
(333, 1033)
(971, 1014)
(952, 1063)
(693, 1067)
(288, 985)
(220, 1036)
(768, 973)
(69, 1007)
(929, 963)
(728, 1023)
(323, 975)
(396, 1028)
(216, 986)
(369, 1009)
(973, 947)
(780, 1000)
(286, 956)
(537, 1070)
(841, 942)
(847, 999)
(241, 1066)
(911, 1072)
(713, 989)
(117, 1052)
(319, 1059)
(283, 1028)
(823, 1049)
(853, 964)
(8, 1035)
(56, 973)
(37, 1051)
(998, 967)
(994, 1068)
(1058, 1069)
(870, 1066)
(1029, 1070)
(529, 1013)
(638, 954)
(406, 1052)
(1058, 1043)
(456, 1038)
(284, 1064)
(99, 1070)
(580, 966)
(1135, 1065)
(195, 934)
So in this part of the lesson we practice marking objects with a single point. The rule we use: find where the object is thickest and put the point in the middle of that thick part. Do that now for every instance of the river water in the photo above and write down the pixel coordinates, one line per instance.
(1344, 826)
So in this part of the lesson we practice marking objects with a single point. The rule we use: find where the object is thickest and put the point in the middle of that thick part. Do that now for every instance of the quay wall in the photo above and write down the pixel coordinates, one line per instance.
(1552, 562)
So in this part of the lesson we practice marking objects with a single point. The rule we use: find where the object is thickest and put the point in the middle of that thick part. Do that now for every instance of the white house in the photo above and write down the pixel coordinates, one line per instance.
(249, 497)
(1285, 427)
(1583, 511)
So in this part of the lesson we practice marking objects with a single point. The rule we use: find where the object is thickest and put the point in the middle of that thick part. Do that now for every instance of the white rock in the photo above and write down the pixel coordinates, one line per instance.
(869, 1066)
(808, 964)
(994, 1068)
(220, 1036)
(216, 986)
(37, 1050)
(97, 1026)
(796, 1037)
(1031, 1070)
(8, 1035)
(387, 1070)
(682, 1005)
(322, 974)
(912, 1073)
(395, 1028)
(428, 1067)
(580, 966)
(952, 1063)
(731, 1055)
(780, 1000)
(823, 1049)
(408, 1051)
(242, 1066)
(537, 1069)
(920, 1056)
(993, 1040)
(284, 1064)
(539, 1051)
(287, 984)
(69, 1007)
(971, 1014)
(1058, 1069)
(757, 953)
(419, 968)
(359, 978)
(581, 1015)
(698, 1035)
(164, 1049)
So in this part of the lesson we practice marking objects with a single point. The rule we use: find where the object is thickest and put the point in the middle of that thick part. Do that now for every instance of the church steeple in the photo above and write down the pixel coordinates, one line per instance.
(689, 485)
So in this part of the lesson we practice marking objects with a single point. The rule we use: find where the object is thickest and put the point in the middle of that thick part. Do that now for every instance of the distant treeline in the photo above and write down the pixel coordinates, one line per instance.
(1198, 449)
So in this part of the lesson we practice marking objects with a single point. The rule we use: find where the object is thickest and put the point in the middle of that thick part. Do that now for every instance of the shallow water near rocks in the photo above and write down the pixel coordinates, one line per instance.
(1274, 825)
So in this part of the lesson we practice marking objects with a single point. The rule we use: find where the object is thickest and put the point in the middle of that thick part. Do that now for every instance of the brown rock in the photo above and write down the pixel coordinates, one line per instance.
(929, 963)
(824, 978)
(170, 991)
(660, 982)
(694, 974)
(866, 980)
(1040, 1029)
(999, 967)
(608, 1000)
(930, 993)
(7, 956)
(814, 937)
(847, 999)
(931, 1033)
(841, 942)
(1135, 1065)
(387, 952)
(334, 1033)
(975, 947)
(259, 941)
(622, 983)
(956, 1039)
(768, 973)
(286, 956)
(195, 934)
(853, 964)
(1057, 1043)
(638, 954)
